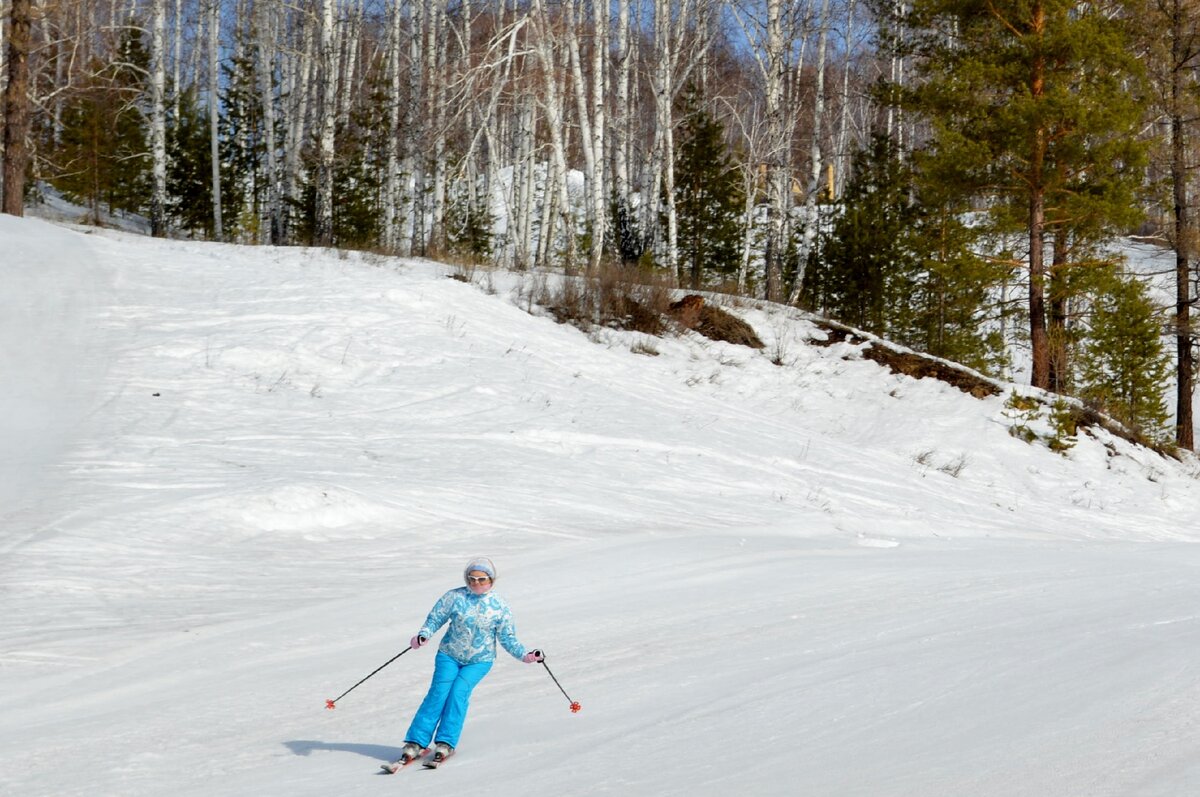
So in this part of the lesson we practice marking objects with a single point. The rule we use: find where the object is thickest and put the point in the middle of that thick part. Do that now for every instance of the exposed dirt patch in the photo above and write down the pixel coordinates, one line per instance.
(911, 364)
(712, 322)
(919, 367)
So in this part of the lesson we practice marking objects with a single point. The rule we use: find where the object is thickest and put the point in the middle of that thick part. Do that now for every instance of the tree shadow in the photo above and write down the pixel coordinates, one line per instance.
(381, 752)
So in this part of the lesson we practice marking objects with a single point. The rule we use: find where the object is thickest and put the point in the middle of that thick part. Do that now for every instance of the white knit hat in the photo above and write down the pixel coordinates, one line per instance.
(482, 564)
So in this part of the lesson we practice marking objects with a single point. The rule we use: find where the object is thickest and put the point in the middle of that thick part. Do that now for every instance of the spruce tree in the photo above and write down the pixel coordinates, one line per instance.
(243, 185)
(102, 158)
(189, 169)
(708, 197)
(898, 260)
(1124, 366)
(865, 272)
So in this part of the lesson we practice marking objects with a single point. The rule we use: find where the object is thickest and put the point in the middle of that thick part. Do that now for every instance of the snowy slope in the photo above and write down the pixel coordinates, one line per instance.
(235, 479)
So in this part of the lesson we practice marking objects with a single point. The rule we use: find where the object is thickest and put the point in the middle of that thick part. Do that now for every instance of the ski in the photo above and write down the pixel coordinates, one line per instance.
(401, 763)
(435, 762)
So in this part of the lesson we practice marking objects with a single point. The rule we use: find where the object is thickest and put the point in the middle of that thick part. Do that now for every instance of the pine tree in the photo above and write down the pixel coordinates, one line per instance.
(1032, 102)
(955, 314)
(14, 161)
(1123, 365)
(708, 197)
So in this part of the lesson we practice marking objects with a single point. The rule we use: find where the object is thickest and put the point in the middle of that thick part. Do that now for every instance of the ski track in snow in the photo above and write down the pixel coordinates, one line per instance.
(235, 479)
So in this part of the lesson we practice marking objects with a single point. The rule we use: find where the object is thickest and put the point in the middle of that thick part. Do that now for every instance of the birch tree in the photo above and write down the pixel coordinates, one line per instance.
(552, 103)
(299, 74)
(267, 31)
(391, 183)
(590, 109)
(774, 64)
(677, 52)
(809, 233)
(326, 121)
(629, 235)
(158, 122)
(437, 56)
(413, 128)
(214, 112)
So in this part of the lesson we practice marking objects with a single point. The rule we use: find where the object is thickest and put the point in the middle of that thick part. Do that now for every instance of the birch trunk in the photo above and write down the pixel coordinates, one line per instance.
(842, 146)
(158, 122)
(391, 186)
(583, 110)
(553, 104)
(663, 153)
(214, 118)
(778, 175)
(327, 118)
(550, 215)
(524, 186)
(176, 52)
(505, 251)
(438, 69)
(267, 32)
(413, 130)
(351, 39)
(814, 177)
(298, 91)
(621, 133)
(600, 11)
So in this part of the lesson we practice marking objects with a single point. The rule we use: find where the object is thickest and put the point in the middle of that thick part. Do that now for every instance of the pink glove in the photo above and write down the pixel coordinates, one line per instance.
(417, 641)
(533, 657)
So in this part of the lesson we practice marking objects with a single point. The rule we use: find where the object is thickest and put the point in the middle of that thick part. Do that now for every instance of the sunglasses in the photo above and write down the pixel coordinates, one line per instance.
(478, 579)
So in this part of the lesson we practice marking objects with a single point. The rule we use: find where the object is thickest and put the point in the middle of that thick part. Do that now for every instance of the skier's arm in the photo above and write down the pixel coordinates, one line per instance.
(507, 636)
(438, 615)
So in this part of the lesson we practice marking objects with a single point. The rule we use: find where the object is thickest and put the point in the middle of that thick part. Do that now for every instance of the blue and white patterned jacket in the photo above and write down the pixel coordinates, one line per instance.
(476, 623)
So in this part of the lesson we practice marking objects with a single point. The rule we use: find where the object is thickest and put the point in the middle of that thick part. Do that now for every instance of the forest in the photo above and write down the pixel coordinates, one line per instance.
(950, 174)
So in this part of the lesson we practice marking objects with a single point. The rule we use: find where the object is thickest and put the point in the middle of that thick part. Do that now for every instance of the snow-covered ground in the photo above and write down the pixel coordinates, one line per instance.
(233, 481)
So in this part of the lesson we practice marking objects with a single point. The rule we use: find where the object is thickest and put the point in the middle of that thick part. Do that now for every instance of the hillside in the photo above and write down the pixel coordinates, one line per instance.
(235, 479)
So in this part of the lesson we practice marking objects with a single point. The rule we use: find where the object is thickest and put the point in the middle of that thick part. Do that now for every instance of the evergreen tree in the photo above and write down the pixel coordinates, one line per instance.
(242, 182)
(866, 272)
(189, 168)
(1123, 365)
(955, 314)
(357, 186)
(708, 197)
(898, 261)
(103, 158)
(469, 225)
(630, 241)
(1032, 102)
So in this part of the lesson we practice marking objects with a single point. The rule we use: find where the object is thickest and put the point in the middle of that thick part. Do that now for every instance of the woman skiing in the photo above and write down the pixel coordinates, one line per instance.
(478, 618)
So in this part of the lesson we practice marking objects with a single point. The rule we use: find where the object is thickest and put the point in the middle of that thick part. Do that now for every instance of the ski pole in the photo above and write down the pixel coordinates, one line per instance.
(575, 707)
(330, 703)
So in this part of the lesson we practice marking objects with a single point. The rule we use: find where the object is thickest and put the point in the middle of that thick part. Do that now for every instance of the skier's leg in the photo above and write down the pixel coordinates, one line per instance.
(454, 712)
(445, 671)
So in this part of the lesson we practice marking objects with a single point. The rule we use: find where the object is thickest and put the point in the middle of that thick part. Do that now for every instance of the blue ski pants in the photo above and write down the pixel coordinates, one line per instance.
(445, 705)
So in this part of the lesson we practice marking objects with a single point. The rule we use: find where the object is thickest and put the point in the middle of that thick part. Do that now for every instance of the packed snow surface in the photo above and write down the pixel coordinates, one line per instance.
(234, 480)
